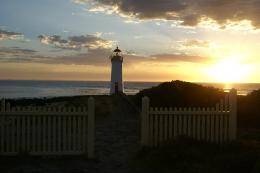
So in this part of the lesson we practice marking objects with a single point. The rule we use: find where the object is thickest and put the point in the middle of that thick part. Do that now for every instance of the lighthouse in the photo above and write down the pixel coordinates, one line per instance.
(116, 85)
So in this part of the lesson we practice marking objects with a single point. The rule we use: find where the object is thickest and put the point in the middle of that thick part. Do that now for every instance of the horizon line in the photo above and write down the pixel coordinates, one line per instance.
(52, 80)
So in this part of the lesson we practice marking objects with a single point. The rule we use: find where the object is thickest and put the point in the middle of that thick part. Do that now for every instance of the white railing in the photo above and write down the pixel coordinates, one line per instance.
(47, 130)
(216, 124)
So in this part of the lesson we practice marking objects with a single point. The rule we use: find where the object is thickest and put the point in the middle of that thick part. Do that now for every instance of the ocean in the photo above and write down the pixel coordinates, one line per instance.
(40, 89)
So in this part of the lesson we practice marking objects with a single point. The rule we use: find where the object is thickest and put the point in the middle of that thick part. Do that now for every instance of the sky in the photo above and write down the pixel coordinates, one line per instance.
(161, 40)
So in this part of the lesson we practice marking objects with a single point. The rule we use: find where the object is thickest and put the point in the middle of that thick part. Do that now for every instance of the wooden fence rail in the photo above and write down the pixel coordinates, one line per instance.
(216, 124)
(47, 130)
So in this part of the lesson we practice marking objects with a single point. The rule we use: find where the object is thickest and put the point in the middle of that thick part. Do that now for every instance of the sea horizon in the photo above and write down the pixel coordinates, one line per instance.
(197, 82)
(10, 88)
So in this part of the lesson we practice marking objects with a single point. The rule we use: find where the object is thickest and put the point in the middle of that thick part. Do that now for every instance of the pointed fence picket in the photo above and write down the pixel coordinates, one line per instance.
(47, 130)
(213, 124)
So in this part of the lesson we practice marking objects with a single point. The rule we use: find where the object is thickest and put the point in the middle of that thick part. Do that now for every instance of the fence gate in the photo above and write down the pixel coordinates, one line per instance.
(47, 130)
(216, 124)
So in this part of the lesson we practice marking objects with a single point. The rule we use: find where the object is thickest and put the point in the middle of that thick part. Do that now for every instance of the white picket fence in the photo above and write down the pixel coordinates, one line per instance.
(47, 130)
(216, 124)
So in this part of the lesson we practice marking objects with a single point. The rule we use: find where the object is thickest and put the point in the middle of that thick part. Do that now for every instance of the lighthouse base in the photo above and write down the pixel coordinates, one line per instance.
(116, 88)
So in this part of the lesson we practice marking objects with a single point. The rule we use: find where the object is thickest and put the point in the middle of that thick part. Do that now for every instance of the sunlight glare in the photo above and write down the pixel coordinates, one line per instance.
(230, 70)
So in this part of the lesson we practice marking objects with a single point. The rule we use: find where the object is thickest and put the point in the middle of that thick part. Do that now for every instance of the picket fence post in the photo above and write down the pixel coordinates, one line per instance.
(233, 114)
(3, 105)
(2, 127)
(91, 128)
(145, 121)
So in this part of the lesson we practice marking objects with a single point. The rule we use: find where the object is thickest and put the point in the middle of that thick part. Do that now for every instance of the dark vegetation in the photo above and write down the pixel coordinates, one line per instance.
(184, 155)
(249, 110)
(181, 94)
(185, 94)
(103, 103)
(64, 101)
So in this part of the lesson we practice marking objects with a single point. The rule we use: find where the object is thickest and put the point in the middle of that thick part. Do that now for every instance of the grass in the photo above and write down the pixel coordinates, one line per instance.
(249, 134)
(184, 155)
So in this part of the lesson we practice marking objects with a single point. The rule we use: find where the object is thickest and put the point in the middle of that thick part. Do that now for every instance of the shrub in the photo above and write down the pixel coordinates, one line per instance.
(187, 155)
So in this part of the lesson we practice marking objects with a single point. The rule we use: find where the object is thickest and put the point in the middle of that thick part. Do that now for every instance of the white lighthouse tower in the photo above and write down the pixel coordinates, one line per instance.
(117, 85)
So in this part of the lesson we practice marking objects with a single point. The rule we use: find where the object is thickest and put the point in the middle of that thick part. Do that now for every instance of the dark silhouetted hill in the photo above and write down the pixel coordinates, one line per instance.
(181, 94)
(186, 94)
(249, 110)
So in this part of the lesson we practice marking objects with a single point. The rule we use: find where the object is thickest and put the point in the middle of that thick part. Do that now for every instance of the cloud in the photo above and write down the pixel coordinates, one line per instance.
(76, 42)
(172, 58)
(195, 43)
(185, 12)
(79, 1)
(15, 51)
(94, 57)
(16, 54)
(8, 35)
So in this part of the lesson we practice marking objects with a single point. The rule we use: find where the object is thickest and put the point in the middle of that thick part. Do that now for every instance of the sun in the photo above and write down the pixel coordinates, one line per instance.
(229, 70)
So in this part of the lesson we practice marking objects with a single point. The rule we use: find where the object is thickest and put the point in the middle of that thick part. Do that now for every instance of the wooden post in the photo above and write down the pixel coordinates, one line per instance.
(145, 121)
(156, 125)
(91, 127)
(3, 105)
(233, 114)
(8, 107)
(2, 125)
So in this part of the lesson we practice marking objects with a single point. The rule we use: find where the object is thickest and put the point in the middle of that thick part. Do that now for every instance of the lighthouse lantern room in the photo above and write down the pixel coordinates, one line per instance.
(117, 85)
